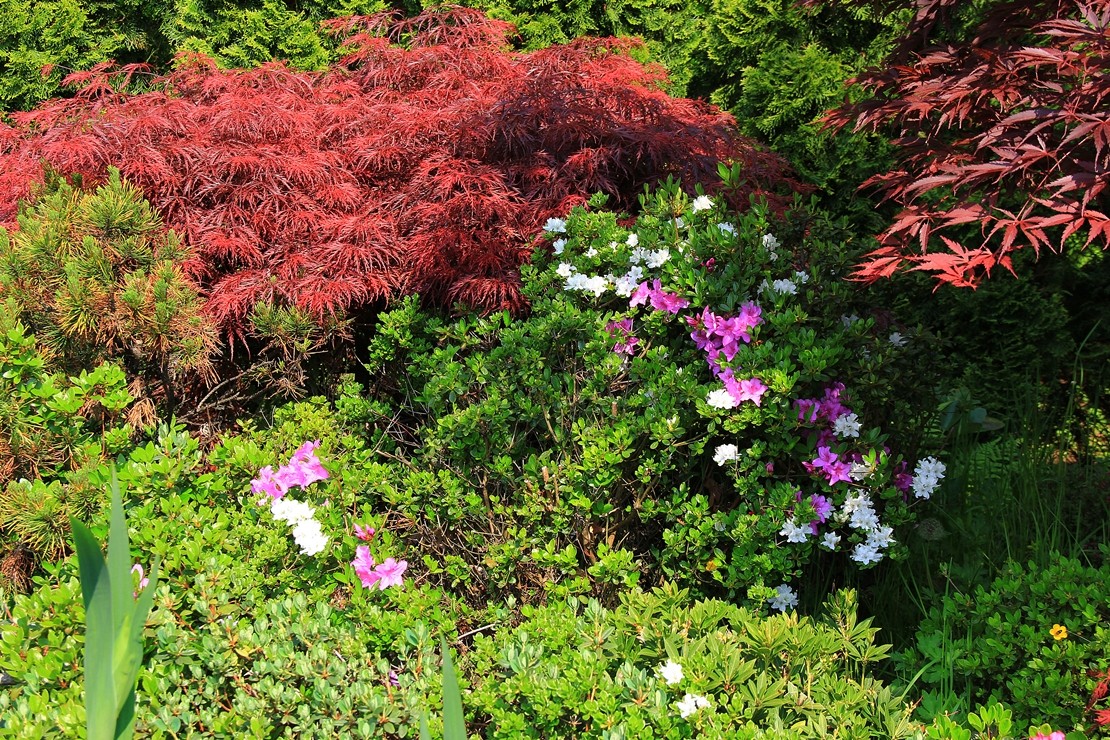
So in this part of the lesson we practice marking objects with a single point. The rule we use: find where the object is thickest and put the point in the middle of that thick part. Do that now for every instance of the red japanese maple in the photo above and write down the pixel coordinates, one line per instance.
(426, 161)
(1009, 131)
(1102, 716)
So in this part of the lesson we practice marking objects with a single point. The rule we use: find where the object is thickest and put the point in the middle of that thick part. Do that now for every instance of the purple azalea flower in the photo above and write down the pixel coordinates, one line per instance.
(808, 409)
(839, 472)
(825, 457)
(822, 506)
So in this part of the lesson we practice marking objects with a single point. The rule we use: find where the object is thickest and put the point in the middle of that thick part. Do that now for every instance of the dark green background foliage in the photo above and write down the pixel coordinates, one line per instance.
(71, 35)
(1039, 338)
(777, 67)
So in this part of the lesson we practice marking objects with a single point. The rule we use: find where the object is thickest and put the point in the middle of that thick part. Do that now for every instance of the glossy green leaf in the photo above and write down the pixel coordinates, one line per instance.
(454, 728)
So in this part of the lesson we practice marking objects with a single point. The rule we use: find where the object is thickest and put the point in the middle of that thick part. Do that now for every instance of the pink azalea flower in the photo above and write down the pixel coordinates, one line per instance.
(808, 409)
(143, 580)
(291, 475)
(622, 332)
(310, 467)
(364, 566)
(838, 472)
(268, 482)
(389, 573)
(640, 295)
(751, 314)
(364, 533)
(826, 437)
(624, 326)
(825, 457)
(1057, 735)
(903, 481)
(751, 389)
(661, 300)
(305, 453)
(822, 506)
(831, 407)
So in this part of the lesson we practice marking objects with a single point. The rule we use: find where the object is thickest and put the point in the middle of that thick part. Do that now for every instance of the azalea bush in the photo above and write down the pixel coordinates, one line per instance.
(674, 404)
(663, 666)
(1035, 638)
(236, 587)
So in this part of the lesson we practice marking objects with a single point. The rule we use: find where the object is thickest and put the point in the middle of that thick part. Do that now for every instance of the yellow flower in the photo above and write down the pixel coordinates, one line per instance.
(1059, 631)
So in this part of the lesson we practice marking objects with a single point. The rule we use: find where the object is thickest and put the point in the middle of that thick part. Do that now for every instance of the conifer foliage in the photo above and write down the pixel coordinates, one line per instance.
(95, 277)
(1009, 131)
(427, 161)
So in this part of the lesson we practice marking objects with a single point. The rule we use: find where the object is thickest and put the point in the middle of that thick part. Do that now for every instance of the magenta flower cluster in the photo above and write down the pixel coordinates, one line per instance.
(829, 463)
(303, 469)
(822, 507)
(720, 337)
(827, 410)
(622, 332)
(382, 575)
(659, 299)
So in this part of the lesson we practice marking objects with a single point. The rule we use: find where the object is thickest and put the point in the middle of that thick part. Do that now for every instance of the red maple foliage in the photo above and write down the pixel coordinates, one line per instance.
(1009, 131)
(426, 161)
(1102, 716)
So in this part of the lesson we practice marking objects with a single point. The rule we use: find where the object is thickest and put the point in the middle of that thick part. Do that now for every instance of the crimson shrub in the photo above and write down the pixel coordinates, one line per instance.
(426, 161)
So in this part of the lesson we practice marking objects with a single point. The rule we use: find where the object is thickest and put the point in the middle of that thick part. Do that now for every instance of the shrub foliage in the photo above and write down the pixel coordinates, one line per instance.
(95, 276)
(1035, 638)
(423, 163)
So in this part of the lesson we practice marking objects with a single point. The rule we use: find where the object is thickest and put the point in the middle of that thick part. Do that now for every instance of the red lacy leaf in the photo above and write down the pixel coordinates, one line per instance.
(427, 160)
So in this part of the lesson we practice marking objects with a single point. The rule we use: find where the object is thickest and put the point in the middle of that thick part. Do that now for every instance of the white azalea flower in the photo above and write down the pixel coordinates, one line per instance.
(671, 672)
(784, 599)
(726, 453)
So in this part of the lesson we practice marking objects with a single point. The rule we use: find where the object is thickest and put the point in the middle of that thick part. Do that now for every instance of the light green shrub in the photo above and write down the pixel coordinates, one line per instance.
(53, 431)
(579, 670)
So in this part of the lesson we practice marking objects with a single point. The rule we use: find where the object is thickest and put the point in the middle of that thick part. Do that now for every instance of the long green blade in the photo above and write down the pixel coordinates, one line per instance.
(138, 623)
(100, 694)
(119, 557)
(125, 652)
(454, 728)
(125, 723)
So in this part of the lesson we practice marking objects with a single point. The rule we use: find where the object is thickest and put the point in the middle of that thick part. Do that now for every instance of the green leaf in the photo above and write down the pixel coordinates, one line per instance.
(453, 726)
(119, 571)
(100, 704)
